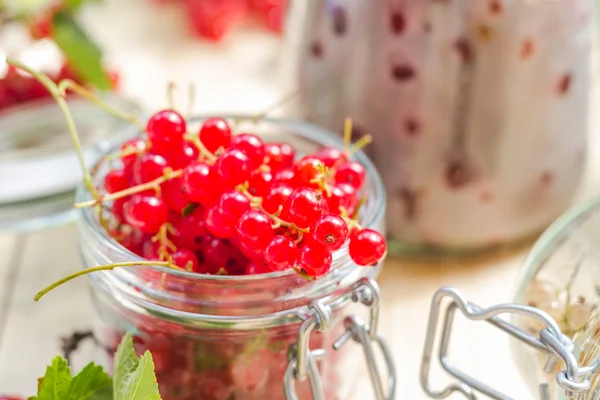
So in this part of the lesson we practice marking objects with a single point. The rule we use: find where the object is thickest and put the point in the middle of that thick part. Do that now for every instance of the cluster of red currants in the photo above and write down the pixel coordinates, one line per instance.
(213, 19)
(215, 202)
(17, 88)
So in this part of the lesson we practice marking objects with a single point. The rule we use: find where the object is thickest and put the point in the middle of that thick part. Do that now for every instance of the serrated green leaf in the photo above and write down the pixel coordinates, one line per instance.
(125, 364)
(57, 380)
(141, 384)
(82, 53)
(89, 381)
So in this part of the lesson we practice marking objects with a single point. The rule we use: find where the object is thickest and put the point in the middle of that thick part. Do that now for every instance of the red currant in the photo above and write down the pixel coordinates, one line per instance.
(218, 223)
(252, 146)
(304, 206)
(181, 156)
(280, 155)
(281, 253)
(185, 259)
(130, 150)
(165, 129)
(173, 194)
(200, 183)
(307, 169)
(146, 213)
(254, 229)
(233, 204)
(367, 247)
(259, 183)
(215, 133)
(342, 195)
(330, 231)
(115, 181)
(148, 167)
(190, 232)
(314, 260)
(213, 19)
(331, 156)
(286, 176)
(234, 167)
(352, 173)
(117, 209)
(277, 195)
(256, 268)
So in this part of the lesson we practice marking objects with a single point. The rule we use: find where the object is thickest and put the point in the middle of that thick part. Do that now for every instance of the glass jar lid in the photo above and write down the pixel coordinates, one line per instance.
(39, 171)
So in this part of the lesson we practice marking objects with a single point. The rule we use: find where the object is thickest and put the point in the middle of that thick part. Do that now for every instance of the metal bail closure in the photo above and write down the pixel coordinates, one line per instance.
(574, 379)
(303, 361)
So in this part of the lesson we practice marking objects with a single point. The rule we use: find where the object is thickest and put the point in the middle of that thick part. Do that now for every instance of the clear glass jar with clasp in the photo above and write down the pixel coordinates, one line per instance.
(271, 336)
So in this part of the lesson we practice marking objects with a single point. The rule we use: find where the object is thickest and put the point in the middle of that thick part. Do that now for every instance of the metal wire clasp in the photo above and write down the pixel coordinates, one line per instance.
(573, 379)
(303, 360)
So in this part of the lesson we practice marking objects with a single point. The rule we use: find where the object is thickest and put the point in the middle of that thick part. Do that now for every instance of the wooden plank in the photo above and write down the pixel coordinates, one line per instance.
(33, 330)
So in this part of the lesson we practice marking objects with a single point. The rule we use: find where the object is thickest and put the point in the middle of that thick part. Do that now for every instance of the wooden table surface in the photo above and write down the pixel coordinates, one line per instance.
(240, 75)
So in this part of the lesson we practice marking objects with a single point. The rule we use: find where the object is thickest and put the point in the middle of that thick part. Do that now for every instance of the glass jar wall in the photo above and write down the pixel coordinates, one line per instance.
(478, 108)
(221, 337)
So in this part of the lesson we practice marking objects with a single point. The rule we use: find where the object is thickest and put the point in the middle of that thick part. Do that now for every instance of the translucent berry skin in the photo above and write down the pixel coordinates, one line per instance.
(219, 224)
(233, 204)
(351, 173)
(307, 169)
(185, 259)
(146, 213)
(259, 183)
(331, 156)
(234, 167)
(190, 232)
(277, 195)
(115, 181)
(148, 167)
(256, 268)
(130, 149)
(173, 194)
(166, 129)
(252, 145)
(200, 183)
(286, 176)
(367, 247)
(181, 156)
(254, 229)
(280, 155)
(215, 133)
(314, 260)
(330, 231)
(281, 253)
(304, 206)
(342, 195)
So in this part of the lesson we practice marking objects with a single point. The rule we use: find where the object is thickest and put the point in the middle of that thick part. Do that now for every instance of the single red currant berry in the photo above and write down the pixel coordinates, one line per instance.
(181, 156)
(277, 196)
(115, 181)
(314, 260)
(259, 183)
(367, 247)
(281, 253)
(252, 253)
(304, 206)
(233, 204)
(215, 133)
(146, 213)
(234, 167)
(185, 259)
(352, 173)
(148, 167)
(219, 224)
(200, 183)
(331, 156)
(216, 254)
(342, 195)
(330, 230)
(252, 146)
(286, 176)
(190, 232)
(307, 169)
(280, 155)
(254, 229)
(256, 268)
(129, 153)
(166, 129)
(117, 209)
(173, 194)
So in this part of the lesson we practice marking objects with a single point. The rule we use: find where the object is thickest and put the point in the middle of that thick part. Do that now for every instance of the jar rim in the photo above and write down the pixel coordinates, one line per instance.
(305, 130)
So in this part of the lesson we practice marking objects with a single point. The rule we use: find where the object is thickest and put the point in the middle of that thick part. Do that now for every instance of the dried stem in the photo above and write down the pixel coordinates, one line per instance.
(347, 134)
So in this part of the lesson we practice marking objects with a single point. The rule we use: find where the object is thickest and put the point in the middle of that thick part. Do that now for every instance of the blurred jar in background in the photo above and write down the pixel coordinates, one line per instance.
(478, 108)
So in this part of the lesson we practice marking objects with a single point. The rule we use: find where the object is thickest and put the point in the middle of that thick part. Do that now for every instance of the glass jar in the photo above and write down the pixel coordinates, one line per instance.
(478, 108)
(219, 337)
(555, 314)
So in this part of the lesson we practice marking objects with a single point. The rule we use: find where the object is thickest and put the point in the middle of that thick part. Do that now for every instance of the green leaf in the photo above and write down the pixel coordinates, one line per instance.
(57, 380)
(82, 53)
(125, 364)
(141, 384)
(90, 381)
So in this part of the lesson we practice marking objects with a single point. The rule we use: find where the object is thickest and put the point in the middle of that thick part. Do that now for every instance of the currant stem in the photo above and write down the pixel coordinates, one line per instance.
(347, 134)
(67, 84)
(200, 146)
(360, 144)
(56, 94)
(107, 267)
(132, 190)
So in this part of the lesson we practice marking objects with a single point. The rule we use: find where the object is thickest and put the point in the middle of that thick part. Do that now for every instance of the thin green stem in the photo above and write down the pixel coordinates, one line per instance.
(55, 92)
(67, 84)
(107, 267)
